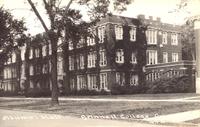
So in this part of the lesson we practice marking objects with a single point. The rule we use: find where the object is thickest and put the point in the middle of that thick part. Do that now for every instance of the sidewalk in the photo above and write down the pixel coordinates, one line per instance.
(111, 99)
(72, 104)
(10, 118)
(176, 117)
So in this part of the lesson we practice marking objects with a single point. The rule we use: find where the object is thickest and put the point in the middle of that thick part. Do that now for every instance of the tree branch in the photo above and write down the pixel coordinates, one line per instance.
(68, 5)
(38, 15)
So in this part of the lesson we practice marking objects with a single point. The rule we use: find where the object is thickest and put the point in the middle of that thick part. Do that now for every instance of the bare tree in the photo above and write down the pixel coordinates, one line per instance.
(67, 18)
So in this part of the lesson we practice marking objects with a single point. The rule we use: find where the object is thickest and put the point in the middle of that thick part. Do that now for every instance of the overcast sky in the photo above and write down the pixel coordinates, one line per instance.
(156, 8)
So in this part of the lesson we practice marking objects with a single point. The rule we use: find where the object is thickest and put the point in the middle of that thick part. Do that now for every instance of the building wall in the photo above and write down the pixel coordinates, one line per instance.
(111, 45)
(160, 46)
(116, 36)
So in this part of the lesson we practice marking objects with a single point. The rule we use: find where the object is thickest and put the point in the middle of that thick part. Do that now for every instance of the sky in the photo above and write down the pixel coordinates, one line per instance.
(156, 8)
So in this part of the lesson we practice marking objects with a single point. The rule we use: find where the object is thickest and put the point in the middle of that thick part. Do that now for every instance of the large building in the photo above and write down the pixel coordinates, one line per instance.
(121, 51)
(29, 68)
(115, 58)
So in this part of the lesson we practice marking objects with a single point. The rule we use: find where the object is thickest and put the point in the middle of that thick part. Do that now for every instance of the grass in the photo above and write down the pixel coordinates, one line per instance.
(135, 96)
(143, 96)
(78, 108)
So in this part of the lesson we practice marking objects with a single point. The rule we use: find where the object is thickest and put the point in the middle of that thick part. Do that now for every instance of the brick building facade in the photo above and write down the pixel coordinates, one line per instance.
(121, 51)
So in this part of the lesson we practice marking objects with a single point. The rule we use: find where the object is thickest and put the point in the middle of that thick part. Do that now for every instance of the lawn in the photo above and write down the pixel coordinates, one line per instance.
(130, 110)
(143, 96)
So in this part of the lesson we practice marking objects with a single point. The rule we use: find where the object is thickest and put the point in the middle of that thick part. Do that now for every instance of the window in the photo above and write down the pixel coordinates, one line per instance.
(70, 45)
(133, 34)
(90, 41)
(133, 58)
(151, 57)
(9, 60)
(103, 81)
(14, 72)
(81, 83)
(31, 53)
(9, 72)
(14, 56)
(80, 61)
(22, 54)
(31, 70)
(174, 57)
(118, 32)
(50, 66)
(91, 59)
(37, 69)
(91, 37)
(72, 83)
(60, 66)
(103, 60)
(92, 81)
(134, 80)
(165, 57)
(5, 73)
(151, 36)
(164, 38)
(45, 68)
(120, 78)
(119, 56)
(50, 49)
(31, 84)
(37, 52)
(80, 44)
(44, 50)
(23, 71)
(71, 63)
(174, 39)
(101, 33)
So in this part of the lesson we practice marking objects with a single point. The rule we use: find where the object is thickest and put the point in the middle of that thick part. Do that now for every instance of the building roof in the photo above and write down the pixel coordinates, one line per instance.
(151, 22)
(119, 19)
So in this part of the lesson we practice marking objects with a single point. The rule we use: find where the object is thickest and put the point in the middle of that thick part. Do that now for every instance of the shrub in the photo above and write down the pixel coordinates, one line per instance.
(7, 93)
(171, 85)
(38, 92)
(126, 89)
(85, 92)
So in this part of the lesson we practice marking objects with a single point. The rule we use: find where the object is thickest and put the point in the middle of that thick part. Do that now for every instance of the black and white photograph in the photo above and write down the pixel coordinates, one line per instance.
(100, 63)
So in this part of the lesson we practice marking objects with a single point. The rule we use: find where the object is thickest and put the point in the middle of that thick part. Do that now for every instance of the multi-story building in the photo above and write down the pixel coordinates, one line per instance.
(32, 70)
(126, 56)
(112, 56)
(164, 51)
(120, 51)
(10, 80)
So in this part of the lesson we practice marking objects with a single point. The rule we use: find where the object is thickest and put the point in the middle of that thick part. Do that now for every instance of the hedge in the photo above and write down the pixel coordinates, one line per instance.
(183, 84)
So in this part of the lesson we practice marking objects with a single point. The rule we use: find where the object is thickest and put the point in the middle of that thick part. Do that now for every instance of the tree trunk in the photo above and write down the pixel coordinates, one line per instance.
(98, 64)
(55, 93)
(18, 70)
(53, 40)
(27, 81)
(66, 68)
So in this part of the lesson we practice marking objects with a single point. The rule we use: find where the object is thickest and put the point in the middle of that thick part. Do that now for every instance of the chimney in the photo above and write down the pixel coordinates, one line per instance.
(158, 19)
(141, 17)
(151, 18)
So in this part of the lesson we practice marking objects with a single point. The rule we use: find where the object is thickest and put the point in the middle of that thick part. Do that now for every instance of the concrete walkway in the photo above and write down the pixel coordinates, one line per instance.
(112, 99)
(129, 100)
(10, 118)
(176, 117)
